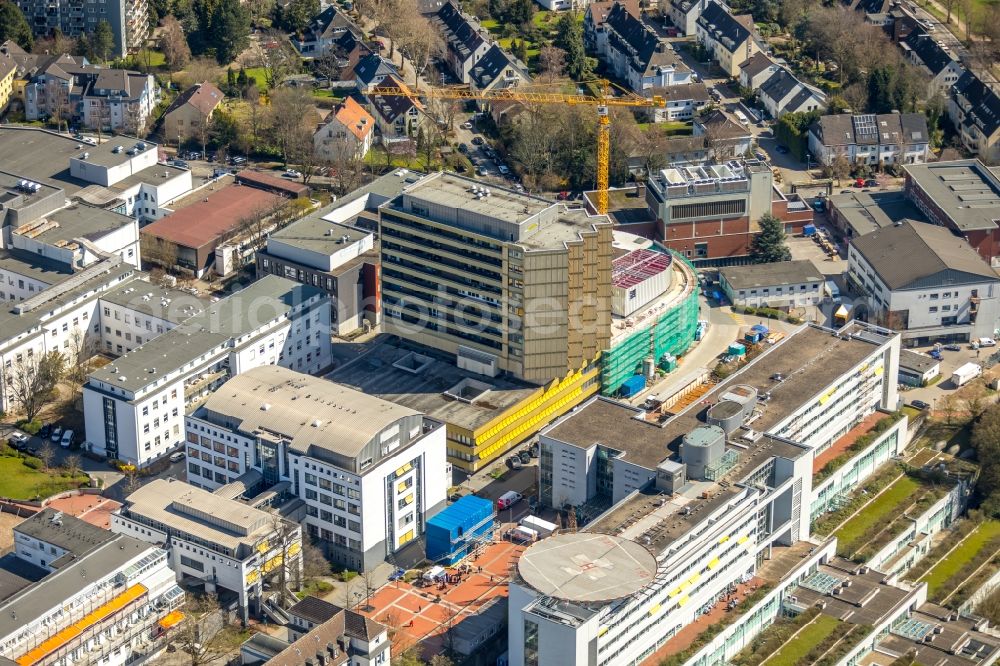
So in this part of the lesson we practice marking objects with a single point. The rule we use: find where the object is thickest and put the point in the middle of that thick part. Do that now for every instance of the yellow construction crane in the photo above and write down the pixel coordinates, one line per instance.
(605, 100)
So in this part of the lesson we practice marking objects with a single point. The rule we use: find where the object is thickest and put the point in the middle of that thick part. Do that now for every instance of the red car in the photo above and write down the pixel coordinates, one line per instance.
(860, 182)
(563, 196)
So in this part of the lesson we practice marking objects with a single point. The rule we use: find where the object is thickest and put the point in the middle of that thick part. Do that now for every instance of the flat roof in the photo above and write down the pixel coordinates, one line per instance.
(267, 298)
(41, 155)
(424, 391)
(912, 360)
(191, 510)
(155, 300)
(64, 531)
(115, 151)
(34, 266)
(309, 411)
(865, 212)
(453, 191)
(315, 234)
(586, 567)
(81, 221)
(965, 190)
(267, 181)
(781, 273)
(49, 593)
(385, 187)
(866, 601)
(214, 215)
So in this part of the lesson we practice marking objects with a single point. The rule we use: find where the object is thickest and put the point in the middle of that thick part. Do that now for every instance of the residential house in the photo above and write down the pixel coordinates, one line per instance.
(595, 37)
(496, 70)
(118, 99)
(637, 56)
(465, 40)
(325, 30)
(682, 101)
(51, 87)
(938, 62)
(8, 70)
(562, 5)
(758, 69)
(128, 19)
(397, 116)
(974, 109)
(783, 93)
(725, 138)
(729, 39)
(887, 138)
(189, 115)
(684, 14)
(348, 131)
(372, 70)
(942, 291)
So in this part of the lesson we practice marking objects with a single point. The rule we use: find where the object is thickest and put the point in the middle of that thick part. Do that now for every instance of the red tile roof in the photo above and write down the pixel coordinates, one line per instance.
(216, 215)
(265, 181)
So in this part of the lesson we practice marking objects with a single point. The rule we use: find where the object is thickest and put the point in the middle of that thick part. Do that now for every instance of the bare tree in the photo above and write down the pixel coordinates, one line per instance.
(174, 44)
(839, 168)
(255, 225)
(347, 169)
(368, 578)
(158, 251)
(328, 64)
(47, 454)
(418, 39)
(199, 70)
(81, 350)
(72, 464)
(275, 56)
(204, 635)
(314, 563)
(30, 382)
(292, 122)
(719, 147)
(131, 481)
(552, 61)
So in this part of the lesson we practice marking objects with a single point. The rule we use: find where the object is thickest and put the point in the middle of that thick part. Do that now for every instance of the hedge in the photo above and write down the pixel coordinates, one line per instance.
(767, 313)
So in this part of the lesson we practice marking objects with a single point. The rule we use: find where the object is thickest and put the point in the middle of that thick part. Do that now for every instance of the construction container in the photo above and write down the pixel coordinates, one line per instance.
(632, 386)
(457, 530)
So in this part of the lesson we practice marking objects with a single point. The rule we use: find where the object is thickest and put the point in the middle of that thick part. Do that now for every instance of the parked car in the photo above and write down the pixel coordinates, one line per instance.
(57, 432)
(180, 163)
(67, 439)
(919, 404)
(525, 457)
(871, 182)
(478, 140)
(952, 347)
(291, 173)
(467, 125)
(18, 440)
(462, 148)
(935, 354)
(782, 149)
(504, 170)
(176, 456)
(562, 196)
(45, 431)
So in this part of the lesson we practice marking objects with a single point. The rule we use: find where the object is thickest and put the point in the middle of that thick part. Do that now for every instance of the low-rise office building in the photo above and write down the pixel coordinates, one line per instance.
(134, 407)
(782, 285)
(942, 291)
(369, 471)
(916, 369)
(214, 540)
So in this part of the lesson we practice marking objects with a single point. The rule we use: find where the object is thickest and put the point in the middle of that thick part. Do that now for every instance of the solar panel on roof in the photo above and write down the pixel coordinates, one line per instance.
(865, 125)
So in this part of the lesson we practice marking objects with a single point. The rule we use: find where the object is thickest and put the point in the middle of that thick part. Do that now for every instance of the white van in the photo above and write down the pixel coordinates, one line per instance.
(833, 291)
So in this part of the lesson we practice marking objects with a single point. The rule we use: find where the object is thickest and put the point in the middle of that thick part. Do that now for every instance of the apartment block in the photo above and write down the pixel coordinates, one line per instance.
(134, 408)
(370, 472)
(129, 20)
(214, 540)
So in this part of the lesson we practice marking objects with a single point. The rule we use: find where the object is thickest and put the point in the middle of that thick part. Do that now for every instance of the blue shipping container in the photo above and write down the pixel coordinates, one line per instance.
(809, 229)
(632, 386)
(452, 532)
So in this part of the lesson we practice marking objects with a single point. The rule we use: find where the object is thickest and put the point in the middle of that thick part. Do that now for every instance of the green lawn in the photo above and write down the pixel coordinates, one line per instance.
(258, 74)
(153, 57)
(961, 555)
(18, 481)
(323, 93)
(804, 641)
(888, 502)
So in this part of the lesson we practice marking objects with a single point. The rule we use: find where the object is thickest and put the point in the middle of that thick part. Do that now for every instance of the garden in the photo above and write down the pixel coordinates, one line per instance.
(809, 638)
(958, 561)
(28, 478)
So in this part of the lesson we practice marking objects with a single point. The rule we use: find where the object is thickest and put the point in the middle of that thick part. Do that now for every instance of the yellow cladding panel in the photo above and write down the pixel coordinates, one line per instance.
(713, 563)
(695, 577)
(252, 576)
(263, 546)
(294, 549)
(406, 538)
(272, 563)
(602, 631)
(675, 592)
(724, 538)
(683, 600)
(409, 498)
(743, 539)
(401, 486)
(879, 370)
(656, 607)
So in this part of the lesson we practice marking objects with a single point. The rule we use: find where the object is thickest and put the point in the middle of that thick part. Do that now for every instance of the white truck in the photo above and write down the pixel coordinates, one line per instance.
(965, 374)
(508, 499)
(543, 527)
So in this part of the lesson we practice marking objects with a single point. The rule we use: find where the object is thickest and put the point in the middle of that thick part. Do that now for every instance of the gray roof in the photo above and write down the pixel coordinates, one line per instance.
(928, 51)
(934, 256)
(492, 65)
(967, 192)
(269, 297)
(758, 62)
(315, 234)
(315, 610)
(34, 266)
(844, 129)
(64, 531)
(376, 375)
(167, 303)
(919, 363)
(308, 411)
(36, 600)
(376, 192)
(982, 100)
(864, 212)
(771, 275)
(187, 510)
(82, 221)
(723, 26)
(779, 85)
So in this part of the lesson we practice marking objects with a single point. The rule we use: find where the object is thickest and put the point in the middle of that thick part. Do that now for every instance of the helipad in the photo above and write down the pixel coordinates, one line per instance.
(587, 567)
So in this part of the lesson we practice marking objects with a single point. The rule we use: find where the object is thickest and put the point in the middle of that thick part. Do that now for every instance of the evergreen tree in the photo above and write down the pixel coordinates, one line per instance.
(522, 51)
(103, 41)
(297, 14)
(241, 78)
(569, 37)
(230, 78)
(230, 30)
(14, 26)
(769, 245)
